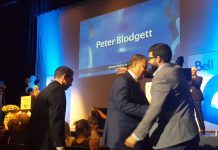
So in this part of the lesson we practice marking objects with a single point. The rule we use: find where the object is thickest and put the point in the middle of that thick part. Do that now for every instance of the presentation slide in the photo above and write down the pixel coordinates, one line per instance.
(108, 41)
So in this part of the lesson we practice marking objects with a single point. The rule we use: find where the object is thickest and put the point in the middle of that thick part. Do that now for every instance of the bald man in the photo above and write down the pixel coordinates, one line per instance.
(197, 97)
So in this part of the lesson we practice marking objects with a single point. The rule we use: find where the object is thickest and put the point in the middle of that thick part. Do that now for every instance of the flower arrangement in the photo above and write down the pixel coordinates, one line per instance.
(10, 108)
(15, 118)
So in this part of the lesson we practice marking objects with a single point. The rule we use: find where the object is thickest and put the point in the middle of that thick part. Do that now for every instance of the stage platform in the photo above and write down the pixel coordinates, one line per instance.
(209, 141)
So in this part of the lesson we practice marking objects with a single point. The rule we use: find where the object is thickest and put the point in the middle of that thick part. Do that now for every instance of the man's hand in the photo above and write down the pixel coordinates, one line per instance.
(121, 70)
(60, 148)
(130, 141)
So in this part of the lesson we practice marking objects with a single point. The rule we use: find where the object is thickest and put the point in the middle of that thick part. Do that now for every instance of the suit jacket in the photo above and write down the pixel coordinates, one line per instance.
(196, 89)
(127, 105)
(47, 121)
(169, 119)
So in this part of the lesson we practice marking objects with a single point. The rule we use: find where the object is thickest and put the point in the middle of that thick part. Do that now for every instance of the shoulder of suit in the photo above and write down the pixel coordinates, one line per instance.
(168, 71)
(169, 66)
(199, 76)
(54, 85)
(124, 78)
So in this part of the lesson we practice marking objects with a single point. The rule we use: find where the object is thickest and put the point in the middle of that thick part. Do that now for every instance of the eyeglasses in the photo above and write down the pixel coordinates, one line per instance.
(149, 58)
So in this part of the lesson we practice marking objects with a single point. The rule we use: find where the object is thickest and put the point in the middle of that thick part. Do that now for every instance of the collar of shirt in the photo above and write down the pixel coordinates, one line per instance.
(194, 76)
(132, 74)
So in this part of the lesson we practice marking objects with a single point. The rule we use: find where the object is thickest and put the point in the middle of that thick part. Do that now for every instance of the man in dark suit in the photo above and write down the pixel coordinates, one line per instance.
(197, 97)
(47, 122)
(127, 105)
(169, 119)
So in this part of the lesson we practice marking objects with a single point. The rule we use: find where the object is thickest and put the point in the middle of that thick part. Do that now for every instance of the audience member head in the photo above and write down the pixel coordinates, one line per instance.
(138, 64)
(64, 76)
(13, 125)
(82, 127)
(23, 119)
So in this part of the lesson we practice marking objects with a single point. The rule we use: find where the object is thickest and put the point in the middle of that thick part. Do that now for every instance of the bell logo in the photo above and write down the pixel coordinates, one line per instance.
(204, 66)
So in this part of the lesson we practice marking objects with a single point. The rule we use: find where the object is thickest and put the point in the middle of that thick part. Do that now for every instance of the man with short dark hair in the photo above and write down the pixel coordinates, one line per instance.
(169, 120)
(47, 122)
(127, 105)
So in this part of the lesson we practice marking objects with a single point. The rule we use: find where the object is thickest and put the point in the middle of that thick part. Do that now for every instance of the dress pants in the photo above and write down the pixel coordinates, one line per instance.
(199, 114)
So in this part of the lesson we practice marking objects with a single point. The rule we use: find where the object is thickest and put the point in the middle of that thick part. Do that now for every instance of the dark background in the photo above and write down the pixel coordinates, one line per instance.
(18, 40)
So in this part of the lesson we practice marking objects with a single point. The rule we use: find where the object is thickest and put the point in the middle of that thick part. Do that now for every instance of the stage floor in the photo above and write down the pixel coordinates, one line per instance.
(209, 141)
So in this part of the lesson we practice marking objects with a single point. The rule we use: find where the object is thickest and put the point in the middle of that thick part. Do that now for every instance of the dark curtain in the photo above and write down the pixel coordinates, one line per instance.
(13, 48)
(18, 25)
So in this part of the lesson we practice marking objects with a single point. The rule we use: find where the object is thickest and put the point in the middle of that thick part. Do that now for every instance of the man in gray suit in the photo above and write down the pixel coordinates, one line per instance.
(169, 120)
(127, 105)
(197, 97)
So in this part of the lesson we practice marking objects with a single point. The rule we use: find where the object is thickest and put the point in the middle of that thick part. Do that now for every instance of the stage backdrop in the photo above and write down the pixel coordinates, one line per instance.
(94, 38)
